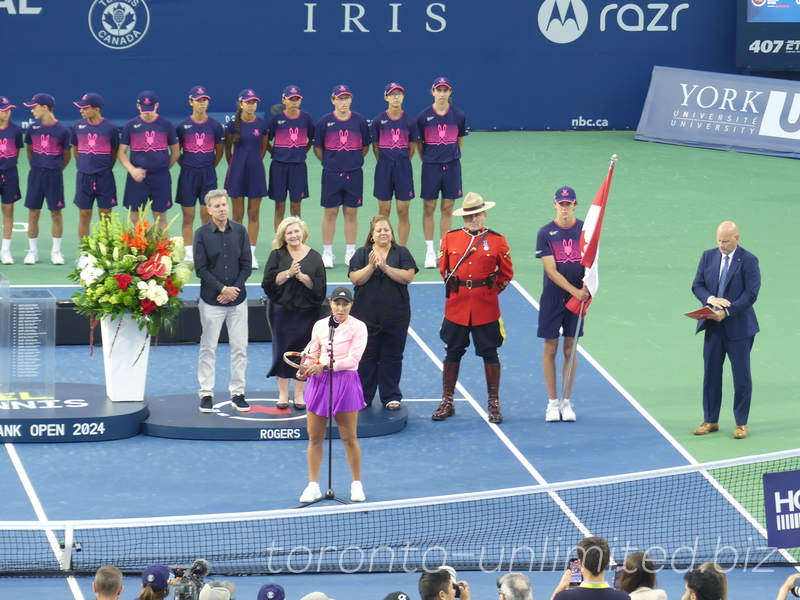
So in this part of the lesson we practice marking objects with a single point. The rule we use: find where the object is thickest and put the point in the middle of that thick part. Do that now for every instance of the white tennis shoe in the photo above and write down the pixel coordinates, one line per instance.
(347, 256)
(357, 492)
(553, 412)
(430, 260)
(311, 493)
(567, 414)
(327, 259)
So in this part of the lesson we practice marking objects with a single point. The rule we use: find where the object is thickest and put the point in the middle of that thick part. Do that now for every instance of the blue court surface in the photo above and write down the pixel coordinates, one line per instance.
(144, 477)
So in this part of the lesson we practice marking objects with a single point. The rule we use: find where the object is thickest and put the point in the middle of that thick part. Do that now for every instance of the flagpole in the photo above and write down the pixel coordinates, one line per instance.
(576, 337)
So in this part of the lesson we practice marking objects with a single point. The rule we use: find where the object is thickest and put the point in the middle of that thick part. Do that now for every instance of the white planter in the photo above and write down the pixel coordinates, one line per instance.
(126, 350)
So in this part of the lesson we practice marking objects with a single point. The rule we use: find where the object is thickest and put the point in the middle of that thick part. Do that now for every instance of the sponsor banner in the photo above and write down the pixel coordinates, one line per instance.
(726, 112)
(767, 35)
(782, 508)
(540, 64)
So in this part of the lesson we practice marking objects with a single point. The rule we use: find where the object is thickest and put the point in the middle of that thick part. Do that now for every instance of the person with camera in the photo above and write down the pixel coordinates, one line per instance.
(441, 585)
(346, 338)
(155, 582)
(594, 556)
(475, 263)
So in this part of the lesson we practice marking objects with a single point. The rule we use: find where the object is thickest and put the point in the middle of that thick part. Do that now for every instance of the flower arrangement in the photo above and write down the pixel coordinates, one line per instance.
(130, 268)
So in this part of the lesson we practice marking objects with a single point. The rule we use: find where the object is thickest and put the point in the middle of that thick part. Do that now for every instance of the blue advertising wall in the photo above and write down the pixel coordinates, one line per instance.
(520, 64)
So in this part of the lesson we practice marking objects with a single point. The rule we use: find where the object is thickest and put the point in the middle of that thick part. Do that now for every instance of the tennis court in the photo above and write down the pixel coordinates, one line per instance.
(665, 204)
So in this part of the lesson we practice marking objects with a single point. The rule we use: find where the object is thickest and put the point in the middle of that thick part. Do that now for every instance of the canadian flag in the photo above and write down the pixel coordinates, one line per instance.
(590, 241)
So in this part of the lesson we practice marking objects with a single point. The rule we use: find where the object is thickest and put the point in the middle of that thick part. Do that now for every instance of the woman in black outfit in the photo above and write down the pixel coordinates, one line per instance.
(295, 283)
(381, 271)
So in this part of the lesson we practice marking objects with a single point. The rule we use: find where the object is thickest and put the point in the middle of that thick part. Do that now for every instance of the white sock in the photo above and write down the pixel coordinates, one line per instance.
(553, 399)
(33, 244)
(350, 248)
(6, 244)
(253, 250)
(56, 244)
(429, 245)
(565, 400)
(190, 253)
(327, 248)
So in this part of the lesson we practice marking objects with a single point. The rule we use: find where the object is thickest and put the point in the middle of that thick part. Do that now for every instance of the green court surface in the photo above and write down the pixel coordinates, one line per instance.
(663, 210)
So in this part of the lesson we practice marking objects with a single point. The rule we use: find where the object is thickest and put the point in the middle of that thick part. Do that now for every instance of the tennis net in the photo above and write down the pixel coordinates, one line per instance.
(681, 516)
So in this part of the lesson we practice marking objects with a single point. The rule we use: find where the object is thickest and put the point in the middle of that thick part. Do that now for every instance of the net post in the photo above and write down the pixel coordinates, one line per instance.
(66, 555)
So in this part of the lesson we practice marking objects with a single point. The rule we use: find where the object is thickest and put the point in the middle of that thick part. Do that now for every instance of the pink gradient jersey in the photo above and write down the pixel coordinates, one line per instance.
(291, 136)
(10, 144)
(49, 143)
(440, 134)
(394, 135)
(149, 142)
(199, 141)
(563, 244)
(342, 142)
(95, 143)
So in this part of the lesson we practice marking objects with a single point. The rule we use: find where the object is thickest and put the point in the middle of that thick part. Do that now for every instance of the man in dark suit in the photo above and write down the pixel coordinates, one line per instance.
(728, 279)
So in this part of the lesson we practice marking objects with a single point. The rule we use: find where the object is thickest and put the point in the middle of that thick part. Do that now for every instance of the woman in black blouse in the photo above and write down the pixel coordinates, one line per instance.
(295, 283)
(381, 271)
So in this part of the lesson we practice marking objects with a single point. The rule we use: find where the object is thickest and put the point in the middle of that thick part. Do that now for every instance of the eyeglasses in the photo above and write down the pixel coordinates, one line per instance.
(343, 98)
(395, 95)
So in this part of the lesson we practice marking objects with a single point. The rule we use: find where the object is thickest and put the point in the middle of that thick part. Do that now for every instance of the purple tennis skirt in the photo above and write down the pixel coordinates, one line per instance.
(347, 393)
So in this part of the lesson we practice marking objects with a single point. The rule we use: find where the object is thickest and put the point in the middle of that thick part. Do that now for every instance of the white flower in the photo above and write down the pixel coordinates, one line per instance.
(86, 260)
(167, 262)
(90, 274)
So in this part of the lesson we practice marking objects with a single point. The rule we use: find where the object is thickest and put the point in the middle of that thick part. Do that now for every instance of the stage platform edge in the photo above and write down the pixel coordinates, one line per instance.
(178, 417)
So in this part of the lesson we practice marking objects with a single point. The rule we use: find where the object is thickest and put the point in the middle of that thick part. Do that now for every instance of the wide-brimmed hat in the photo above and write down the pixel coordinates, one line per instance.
(473, 203)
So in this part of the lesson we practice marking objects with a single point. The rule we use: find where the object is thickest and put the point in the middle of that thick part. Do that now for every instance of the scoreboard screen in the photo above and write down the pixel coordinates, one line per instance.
(768, 35)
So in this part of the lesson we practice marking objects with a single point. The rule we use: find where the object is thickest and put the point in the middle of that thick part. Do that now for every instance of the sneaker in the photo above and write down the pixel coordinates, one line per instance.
(430, 260)
(6, 258)
(206, 404)
(31, 258)
(311, 493)
(357, 492)
(327, 260)
(239, 403)
(254, 263)
(567, 414)
(553, 413)
(57, 258)
(347, 256)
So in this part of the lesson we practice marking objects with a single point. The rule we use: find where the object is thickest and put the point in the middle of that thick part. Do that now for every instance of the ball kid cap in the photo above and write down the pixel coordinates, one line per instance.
(147, 101)
(292, 91)
(441, 81)
(198, 92)
(341, 90)
(392, 87)
(565, 194)
(5, 103)
(43, 99)
(90, 100)
(248, 94)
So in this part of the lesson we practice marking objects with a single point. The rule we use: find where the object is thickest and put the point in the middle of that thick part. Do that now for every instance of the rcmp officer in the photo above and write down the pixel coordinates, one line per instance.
(475, 263)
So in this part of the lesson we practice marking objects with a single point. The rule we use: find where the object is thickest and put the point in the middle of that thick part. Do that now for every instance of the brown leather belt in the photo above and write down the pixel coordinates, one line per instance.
(472, 283)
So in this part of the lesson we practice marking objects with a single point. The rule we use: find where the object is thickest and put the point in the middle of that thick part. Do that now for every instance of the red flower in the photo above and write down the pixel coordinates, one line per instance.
(123, 281)
(148, 306)
(171, 289)
(152, 267)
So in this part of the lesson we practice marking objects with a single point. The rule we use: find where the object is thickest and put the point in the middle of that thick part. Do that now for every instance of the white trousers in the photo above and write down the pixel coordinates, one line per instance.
(211, 319)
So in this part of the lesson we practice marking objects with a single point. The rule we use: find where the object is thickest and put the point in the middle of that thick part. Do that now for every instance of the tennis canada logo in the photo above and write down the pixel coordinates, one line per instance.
(119, 24)
(563, 21)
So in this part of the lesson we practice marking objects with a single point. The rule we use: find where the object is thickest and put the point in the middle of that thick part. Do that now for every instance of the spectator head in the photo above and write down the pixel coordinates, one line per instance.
(639, 572)
(376, 220)
(218, 590)
(723, 579)
(702, 585)
(315, 596)
(107, 582)
(435, 585)
(271, 591)
(514, 586)
(280, 232)
(155, 582)
(594, 554)
(210, 196)
(397, 596)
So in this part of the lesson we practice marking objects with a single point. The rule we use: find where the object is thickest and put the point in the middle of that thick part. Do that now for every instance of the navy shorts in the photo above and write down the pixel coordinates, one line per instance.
(194, 183)
(9, 186)
(89, 186)
(288, 179)
(394, 177)
(345, 188)
(441, 178)
(44, 183)
(157, 186)
(554, 316)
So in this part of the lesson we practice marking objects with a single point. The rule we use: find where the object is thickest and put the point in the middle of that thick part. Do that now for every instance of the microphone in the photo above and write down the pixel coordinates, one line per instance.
(200, 568)
(333, 322)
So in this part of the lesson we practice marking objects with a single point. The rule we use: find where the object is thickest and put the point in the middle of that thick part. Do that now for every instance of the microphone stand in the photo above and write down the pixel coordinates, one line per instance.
(329, 495)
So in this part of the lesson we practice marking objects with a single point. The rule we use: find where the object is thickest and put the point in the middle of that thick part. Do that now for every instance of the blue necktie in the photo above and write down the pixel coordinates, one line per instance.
(723, 277)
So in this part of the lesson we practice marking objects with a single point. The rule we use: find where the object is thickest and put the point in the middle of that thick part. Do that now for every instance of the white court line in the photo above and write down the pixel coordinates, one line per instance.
(40, 514)
(667, 436)
(504, 438)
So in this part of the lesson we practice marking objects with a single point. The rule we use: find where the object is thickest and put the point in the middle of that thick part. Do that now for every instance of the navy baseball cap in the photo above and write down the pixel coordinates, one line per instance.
(565, 194)
(248, 94)
(342, 293)
(198, 92)
(156, 575)
(292, 92)
(391, 87)
(271, 591)
(397, 596)
(5, 103)
(439, 81)
(341, 90)
(147, 101)
(91, 99)
(43, 99)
